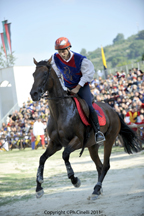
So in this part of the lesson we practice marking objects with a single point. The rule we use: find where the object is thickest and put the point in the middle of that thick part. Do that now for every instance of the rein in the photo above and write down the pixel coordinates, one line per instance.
(59, 98)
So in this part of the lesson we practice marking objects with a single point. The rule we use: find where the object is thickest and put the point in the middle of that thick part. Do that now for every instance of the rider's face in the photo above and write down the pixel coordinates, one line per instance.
(64, 53)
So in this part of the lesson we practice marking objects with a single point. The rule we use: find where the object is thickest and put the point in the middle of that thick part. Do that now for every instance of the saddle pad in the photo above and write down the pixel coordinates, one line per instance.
(101, 119)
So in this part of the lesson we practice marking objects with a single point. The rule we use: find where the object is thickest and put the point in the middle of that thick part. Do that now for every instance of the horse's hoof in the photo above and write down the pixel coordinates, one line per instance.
(101, 191)
(78, 184)
(93, 197)
(39, 194)
(40, 180)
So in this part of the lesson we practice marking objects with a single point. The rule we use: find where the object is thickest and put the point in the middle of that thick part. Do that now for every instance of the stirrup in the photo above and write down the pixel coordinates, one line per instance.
(102, 137)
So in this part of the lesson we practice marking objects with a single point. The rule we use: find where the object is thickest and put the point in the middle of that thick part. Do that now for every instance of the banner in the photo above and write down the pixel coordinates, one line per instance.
(3, 43)
(104, 62)
(4, 35)
(9, 29)
(103, 58)
(8, 35)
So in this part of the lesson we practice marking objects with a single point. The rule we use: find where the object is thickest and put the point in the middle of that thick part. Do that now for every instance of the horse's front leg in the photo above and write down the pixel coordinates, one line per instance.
(51, 149)
(72, 146)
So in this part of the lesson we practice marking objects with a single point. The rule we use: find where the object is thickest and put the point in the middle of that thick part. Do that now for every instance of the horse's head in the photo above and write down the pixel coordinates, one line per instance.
(42, 79)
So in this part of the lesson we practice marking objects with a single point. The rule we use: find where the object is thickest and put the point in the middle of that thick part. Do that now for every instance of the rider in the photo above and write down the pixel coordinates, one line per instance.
(77, 72)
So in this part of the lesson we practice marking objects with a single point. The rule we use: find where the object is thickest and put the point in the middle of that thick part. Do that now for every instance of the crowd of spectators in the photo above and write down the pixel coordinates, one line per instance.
(124, 93)
(18, 131)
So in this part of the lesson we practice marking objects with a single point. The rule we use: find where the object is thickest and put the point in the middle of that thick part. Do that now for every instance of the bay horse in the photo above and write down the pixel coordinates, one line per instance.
(66, 129)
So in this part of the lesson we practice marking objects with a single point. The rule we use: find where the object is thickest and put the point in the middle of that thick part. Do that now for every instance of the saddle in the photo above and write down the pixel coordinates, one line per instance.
(83, 111)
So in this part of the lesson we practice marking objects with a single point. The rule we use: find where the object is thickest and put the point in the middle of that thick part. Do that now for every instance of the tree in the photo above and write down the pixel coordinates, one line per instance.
(141, 35)
(136, 49)
(83, 52)
(115, 60)
(6, 62)
(119, 38)
(143, 57)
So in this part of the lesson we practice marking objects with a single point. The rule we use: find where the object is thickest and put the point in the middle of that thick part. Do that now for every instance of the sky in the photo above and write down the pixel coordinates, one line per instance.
(89, 24)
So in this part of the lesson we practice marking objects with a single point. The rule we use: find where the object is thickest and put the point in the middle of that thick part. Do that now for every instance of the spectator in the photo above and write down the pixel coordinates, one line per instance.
(4, 144)
(32, 139)
(38, 131)
(133, 116)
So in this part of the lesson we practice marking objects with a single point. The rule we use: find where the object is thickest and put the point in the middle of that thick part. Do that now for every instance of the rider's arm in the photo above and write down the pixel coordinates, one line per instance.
(87, 70)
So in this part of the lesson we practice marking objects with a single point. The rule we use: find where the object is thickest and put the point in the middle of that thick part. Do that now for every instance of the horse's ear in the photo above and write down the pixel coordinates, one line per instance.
(49, 61)
(35, 62)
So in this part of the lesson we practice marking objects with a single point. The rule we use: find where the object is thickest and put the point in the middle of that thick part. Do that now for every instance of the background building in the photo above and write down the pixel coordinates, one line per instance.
(15, 86)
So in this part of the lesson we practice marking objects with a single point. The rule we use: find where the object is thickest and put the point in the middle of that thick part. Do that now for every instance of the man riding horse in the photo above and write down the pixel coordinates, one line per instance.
(77, 72)
(65, 128)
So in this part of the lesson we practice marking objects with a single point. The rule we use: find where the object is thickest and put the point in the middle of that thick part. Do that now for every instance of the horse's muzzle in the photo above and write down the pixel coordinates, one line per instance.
(36, 94)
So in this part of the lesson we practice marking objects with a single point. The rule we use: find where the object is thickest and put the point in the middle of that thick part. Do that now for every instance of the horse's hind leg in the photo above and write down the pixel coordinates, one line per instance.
(103, 170)
(66, 154)
(93, 150)
(51, 149)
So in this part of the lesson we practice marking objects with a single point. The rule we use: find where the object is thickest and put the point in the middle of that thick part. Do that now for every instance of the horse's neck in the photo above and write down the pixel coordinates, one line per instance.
(57, 106)
(57, 90)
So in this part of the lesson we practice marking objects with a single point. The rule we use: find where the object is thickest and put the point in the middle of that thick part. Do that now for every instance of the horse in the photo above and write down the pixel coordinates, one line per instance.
(66, 130)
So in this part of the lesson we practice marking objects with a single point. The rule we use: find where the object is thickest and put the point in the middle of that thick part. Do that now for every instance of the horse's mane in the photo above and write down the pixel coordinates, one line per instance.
(41, 63)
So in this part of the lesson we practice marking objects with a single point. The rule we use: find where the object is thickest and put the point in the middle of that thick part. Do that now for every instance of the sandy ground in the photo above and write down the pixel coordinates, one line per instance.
(123, 190)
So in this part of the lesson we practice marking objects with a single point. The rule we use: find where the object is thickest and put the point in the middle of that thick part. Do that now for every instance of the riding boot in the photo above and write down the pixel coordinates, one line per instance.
(99, 136)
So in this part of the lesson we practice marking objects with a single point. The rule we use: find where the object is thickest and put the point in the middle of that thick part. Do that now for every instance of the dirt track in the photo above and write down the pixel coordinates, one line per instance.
(123, 190)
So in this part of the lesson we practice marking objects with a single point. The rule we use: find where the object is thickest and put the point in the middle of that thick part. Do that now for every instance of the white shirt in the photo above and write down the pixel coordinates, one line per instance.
(38, 128)
(87, 70)
(5, 145)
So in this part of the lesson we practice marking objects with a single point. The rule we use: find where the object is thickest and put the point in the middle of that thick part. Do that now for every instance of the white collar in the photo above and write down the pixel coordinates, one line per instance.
(71, 55)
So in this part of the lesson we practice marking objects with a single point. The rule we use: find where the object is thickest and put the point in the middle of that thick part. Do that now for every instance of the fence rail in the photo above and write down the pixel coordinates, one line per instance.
(125, 68)
(139, 65)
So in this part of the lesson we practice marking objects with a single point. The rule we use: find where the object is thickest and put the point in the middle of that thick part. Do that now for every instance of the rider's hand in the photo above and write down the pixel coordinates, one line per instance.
(76, 89)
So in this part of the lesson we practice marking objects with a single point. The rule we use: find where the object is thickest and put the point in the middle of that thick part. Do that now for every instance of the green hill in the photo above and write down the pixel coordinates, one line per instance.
(121, 52)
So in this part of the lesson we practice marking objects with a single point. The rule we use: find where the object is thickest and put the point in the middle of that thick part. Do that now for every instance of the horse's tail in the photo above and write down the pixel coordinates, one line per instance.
(130, 139)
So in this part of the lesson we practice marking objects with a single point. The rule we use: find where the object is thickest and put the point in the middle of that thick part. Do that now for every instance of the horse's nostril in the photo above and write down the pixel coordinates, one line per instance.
(35, 93)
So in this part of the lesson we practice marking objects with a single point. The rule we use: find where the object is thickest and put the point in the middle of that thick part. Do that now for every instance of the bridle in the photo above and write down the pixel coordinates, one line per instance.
(47, 96)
